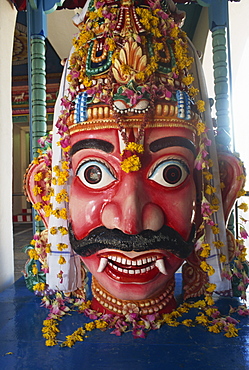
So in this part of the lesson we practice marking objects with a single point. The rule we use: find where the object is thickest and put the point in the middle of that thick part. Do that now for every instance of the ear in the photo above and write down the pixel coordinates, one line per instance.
(233, 176)
(37, 185)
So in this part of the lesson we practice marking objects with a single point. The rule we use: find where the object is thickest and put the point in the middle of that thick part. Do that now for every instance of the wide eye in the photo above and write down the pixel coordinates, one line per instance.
(170, 173)
(95, 174)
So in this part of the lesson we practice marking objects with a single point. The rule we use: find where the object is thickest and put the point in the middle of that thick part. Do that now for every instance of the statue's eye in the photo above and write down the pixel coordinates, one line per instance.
(170, 173)
(95, 174)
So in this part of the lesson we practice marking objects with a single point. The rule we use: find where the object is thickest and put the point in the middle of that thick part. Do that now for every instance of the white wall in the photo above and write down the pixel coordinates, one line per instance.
(7, 24)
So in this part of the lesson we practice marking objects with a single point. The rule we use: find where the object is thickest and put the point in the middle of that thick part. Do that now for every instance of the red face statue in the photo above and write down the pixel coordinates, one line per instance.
(128, 222)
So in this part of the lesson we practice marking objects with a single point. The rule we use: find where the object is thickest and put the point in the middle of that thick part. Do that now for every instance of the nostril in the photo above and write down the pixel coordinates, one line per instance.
(110, 216)
(153, 217)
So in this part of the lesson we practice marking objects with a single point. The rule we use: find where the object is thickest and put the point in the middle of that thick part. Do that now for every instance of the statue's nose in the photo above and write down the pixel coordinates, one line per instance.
(131, 209)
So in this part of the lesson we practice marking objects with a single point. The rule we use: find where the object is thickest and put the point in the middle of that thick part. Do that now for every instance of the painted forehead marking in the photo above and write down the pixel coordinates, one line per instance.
(166, 142)
(103, 145)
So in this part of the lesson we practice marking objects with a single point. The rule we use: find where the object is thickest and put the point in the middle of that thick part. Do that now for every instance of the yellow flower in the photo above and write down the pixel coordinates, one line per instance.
(36, 160)
(65, 165)
(210, 311)
(201, 127)
(218, 244)
(222, 185)
(131, 164)
(243, 206)
(174, 32)
(192, 91)
(85, 305)
(48, 248)
(61, 246)
(47, 209)
(207, 268)
(215, 229)
(53, 230)
(188, 80)
(208, 176)
(37, 190)
(90, 326)
(111, 43)
(222, 258)
(50, 343)
(33, 254)
(210, 189)
(209, 300)
(232, 331)
(87, 82)
(34, 269)
(187, 322)
(241, 193)
(39, 286)
(214, 328)
(63, 213)
(134, 147)
(63, 230)
(101, 324)
(211, 288)
(38, 218)
(37, 206)
(202, 319)
(200, 106)
(62, 260)
(38, 176)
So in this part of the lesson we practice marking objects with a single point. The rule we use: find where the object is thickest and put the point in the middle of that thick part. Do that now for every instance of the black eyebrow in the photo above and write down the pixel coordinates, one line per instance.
(103, 145)
(166, 142)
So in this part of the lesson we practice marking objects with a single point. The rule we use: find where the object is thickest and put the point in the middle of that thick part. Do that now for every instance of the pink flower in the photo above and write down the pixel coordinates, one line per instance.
(138, 333)
(205, 209)
(65, 102)
(243, 233)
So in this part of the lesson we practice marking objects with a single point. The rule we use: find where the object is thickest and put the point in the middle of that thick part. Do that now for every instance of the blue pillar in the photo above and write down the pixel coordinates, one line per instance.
(37, 31)
(218, 23)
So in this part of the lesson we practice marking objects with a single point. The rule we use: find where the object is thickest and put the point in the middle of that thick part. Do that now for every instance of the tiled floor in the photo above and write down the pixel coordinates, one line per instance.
(23, 233)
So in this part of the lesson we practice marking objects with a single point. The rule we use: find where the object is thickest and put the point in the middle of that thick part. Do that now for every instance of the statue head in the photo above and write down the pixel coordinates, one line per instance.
(132, 147)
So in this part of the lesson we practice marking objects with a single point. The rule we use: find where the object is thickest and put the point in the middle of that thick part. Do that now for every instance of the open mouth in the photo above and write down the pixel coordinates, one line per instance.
(136, 270)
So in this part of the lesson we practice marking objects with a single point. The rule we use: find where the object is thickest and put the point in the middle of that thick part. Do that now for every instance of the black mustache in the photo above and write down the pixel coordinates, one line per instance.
(164, 239)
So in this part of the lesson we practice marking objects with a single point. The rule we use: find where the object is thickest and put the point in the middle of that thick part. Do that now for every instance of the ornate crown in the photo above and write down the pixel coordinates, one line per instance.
(130, 59)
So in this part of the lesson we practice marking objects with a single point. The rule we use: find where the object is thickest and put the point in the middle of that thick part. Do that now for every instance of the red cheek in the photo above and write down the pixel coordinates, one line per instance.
(85, 208)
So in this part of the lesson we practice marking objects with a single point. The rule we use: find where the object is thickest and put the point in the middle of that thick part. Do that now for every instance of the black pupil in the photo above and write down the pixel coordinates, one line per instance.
(93, 174)
(172, 174)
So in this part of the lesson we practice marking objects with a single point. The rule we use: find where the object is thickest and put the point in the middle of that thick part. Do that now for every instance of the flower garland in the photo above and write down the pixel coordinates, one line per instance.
(209, 317)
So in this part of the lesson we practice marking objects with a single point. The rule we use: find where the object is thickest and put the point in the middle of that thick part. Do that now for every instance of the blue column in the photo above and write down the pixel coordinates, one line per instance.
(218, 23)
(37, 31)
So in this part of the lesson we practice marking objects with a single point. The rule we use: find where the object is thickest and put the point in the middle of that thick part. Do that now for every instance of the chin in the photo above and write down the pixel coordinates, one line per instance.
(132, 275)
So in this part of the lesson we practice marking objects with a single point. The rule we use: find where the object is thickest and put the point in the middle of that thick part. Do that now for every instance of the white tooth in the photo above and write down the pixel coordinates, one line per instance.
(137, 271)
(139, 262)
(128, 262)
(119, 269)
(149, 260)
(123, 261)
(143, 271)
(134, 263)
(119, 259)
(102, 264)
(131, 272)
(115, 267)
(113, 258)
(125, 271)
(144, 261)
(161, 266)
(147, 268)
